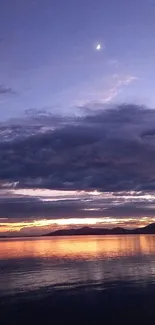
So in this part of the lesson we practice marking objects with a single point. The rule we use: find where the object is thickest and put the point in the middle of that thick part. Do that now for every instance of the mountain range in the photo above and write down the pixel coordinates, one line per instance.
(86, 231)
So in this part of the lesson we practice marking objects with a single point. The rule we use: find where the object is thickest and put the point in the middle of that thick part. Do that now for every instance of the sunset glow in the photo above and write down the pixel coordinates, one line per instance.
(77, 162)
(75, 209)
(45, 225)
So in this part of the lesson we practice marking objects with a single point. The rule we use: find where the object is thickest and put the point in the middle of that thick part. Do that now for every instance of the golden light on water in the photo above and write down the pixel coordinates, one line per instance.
(78, 247)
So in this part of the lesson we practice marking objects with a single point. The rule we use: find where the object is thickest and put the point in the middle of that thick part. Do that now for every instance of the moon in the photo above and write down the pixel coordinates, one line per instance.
(98, 47)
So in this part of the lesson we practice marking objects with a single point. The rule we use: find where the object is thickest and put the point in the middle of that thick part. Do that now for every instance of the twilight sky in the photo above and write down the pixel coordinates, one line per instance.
(77, 135)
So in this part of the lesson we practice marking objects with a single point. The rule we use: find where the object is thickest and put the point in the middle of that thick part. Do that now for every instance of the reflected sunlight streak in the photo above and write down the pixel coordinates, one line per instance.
(78, 247)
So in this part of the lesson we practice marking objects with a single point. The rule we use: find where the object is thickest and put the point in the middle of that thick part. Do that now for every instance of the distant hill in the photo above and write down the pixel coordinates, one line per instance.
(86, 231)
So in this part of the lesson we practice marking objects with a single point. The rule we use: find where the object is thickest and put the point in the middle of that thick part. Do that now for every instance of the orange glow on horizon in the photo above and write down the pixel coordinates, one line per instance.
(53, 224)
(94, 203)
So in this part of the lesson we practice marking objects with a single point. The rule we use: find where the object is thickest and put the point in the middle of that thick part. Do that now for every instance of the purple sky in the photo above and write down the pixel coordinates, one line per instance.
(48, 57)
(83, 118)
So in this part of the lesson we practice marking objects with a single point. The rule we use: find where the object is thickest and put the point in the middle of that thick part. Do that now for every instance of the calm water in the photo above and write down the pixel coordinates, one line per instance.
(49, 263)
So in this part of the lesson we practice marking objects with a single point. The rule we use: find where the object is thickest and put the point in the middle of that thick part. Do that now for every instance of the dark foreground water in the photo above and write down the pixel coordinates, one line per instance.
(107, 280)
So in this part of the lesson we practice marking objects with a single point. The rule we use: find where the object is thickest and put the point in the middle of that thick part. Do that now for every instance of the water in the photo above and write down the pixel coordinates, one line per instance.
(47, 264)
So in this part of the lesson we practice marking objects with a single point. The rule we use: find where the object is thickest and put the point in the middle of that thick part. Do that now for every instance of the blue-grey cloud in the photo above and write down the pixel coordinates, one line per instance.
(108, 150)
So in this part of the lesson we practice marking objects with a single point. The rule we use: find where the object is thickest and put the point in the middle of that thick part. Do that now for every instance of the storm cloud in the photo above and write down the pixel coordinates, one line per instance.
(108, 149)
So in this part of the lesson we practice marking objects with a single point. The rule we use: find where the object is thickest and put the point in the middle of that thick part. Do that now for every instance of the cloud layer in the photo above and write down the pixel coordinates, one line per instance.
(108, 150)
(100, 164)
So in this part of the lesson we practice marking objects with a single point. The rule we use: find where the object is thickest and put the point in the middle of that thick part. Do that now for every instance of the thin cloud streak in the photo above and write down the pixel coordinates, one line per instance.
(120, 82)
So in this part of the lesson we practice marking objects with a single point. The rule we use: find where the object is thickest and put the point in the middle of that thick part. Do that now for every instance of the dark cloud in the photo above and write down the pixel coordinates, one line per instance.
(6, 90)
(108, 150)
(29, 208)
(35, 122)
(24, 208)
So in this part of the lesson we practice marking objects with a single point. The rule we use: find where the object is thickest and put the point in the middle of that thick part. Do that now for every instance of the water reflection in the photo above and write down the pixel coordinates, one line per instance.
(85, 247)
(28, 264)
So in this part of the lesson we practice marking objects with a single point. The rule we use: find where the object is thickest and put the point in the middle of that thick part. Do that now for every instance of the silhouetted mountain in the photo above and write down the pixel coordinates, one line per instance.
(150, 229)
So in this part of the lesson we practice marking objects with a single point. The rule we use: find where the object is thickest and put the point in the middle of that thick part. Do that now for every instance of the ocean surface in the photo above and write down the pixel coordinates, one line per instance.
(41, 268)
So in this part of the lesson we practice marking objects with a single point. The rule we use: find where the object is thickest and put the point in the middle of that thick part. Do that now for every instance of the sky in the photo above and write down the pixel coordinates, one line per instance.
(77, 114)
